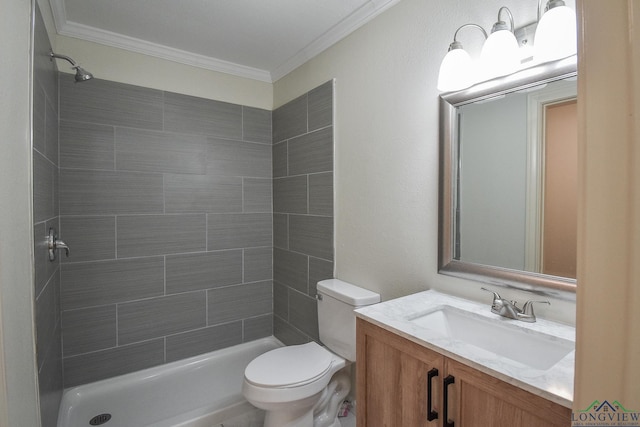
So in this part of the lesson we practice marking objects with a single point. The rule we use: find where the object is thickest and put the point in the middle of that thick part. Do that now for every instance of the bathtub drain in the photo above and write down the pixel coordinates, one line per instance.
(100, 419)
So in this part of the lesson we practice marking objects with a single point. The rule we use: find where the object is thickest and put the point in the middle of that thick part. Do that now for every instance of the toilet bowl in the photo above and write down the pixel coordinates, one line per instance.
(288, 383)
(304, 385)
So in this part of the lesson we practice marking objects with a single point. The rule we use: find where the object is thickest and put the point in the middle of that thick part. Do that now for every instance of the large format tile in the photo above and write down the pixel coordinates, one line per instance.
(51, 133)
(86, 145)
(290, 120)
(43, 188)
(89, 329)
(105, 102)
(312, 152)
(286, 333)
(258, 264)
(157, 317)
(281, 231)
(153, 151)
(321, 106)
(89, 284)
(145, 235)
(290, 195)
(90, 192)
(192, 343)
(321, 194)
(188, 114)
(281, 300)
(229, 231)
(257, 195)
(312, 235)
(257, 327)
(319, 269)
(90, 238)
(239, 302)
(47, 308)
(303, 313)
(236, 158)
(205, 270)
(256, 125)
(202, 193)
(291, 269)
(110, 363)
(280, 159)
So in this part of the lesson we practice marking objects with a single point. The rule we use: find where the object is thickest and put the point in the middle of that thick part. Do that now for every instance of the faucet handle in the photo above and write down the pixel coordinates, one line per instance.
(527, 308)
(527, 314)
(496, 296)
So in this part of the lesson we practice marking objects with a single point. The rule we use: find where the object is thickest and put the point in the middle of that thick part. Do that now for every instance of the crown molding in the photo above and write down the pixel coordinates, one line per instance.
(345, 27)
(354, 21)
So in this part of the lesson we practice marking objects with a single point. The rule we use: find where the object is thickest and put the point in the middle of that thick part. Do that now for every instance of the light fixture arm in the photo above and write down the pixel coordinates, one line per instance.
(456, 44)
(550, 5)
(501, 25)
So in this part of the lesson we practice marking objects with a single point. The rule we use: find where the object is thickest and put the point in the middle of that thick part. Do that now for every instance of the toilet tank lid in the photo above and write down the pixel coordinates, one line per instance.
(347, 293)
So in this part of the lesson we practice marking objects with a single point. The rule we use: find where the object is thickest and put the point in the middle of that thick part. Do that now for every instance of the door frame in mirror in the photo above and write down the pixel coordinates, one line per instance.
(553, 286)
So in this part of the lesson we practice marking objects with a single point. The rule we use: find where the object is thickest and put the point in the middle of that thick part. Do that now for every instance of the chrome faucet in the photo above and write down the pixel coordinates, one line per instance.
(510, 309)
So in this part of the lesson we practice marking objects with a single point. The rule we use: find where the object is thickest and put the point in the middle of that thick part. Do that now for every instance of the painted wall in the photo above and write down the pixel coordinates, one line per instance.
(122, 66)
(386, 133)
(165, 202)
(18, 367)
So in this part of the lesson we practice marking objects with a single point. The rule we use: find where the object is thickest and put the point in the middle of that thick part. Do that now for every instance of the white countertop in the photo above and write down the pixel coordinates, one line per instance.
(555, 383)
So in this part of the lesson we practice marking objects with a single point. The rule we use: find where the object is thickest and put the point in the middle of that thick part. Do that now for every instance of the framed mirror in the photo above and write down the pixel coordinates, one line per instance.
(508, 181)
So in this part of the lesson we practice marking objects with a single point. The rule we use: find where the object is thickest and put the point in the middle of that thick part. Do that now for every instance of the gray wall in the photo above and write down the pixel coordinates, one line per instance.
(303, 211)
(166, 204)
(45, 214)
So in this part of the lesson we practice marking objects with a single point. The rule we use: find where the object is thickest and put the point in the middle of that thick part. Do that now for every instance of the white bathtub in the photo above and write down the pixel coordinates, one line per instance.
(201, 391)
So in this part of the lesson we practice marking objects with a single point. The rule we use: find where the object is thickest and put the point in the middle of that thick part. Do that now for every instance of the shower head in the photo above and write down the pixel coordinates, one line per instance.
(82, 75)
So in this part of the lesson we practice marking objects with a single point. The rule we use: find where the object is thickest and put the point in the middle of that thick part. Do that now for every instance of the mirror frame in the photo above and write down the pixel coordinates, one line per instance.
(542, 284)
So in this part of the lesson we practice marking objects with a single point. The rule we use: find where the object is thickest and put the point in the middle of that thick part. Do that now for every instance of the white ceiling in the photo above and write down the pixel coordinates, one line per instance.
(257, 39)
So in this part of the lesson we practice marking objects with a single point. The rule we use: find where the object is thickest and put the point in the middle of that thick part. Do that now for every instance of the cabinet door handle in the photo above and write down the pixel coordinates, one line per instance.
(431, 414)
(447, 382)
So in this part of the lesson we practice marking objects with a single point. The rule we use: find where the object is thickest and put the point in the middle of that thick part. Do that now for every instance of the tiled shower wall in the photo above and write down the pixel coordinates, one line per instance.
(45, 215)
(303, 211)
(166, 204)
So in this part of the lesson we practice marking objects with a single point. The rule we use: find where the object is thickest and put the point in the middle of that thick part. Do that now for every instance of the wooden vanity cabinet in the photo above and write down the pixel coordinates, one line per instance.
(392, 380)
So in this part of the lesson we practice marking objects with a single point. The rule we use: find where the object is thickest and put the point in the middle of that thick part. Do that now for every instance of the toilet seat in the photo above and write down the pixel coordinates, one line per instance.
(292, 366)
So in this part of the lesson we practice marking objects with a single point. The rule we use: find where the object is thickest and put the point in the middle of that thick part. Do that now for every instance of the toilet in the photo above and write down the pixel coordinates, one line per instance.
(304, 385)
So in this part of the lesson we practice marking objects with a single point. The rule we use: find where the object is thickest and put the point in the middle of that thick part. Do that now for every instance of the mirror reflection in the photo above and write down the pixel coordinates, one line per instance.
(515, 184)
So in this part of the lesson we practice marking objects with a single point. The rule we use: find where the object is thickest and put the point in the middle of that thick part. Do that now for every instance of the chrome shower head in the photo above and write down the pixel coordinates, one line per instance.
(82, 75)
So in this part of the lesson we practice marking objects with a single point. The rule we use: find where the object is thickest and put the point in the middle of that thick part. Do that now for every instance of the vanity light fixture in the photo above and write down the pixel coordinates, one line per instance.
(555, 38)
(500, 54)
(457, 70)
(556, 35)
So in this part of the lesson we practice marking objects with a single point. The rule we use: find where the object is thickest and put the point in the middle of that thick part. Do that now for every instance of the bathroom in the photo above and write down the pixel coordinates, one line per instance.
(386, 175)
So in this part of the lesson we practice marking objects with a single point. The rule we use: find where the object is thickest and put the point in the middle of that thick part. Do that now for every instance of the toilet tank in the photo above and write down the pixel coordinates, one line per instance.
(336, 319)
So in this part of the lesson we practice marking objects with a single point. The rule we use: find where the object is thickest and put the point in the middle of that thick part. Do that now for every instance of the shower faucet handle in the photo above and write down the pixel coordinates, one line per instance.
(54, 244)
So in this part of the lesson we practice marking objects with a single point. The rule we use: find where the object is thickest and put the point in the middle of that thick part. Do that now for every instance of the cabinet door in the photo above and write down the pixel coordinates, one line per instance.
(392, 380)
(480, 400)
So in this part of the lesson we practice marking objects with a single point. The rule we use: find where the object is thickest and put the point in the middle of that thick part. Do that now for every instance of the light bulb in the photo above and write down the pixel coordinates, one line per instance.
(456, 70)
(556, 35)
(500, 55)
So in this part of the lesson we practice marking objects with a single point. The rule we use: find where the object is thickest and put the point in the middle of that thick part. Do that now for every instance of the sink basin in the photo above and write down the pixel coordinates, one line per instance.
(503, 338)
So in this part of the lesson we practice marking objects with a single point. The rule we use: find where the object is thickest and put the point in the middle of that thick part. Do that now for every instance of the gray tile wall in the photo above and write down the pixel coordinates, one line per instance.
(166, 204)
(45, 213)
(302, 211)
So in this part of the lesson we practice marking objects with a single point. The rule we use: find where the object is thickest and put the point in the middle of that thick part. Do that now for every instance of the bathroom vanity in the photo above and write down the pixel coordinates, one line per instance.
(431, 359)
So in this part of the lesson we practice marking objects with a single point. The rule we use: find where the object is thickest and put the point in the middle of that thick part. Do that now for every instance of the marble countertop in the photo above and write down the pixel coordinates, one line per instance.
(554, 384)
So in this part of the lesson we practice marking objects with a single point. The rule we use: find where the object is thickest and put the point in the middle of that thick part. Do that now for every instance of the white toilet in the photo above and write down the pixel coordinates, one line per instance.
(304, 385)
